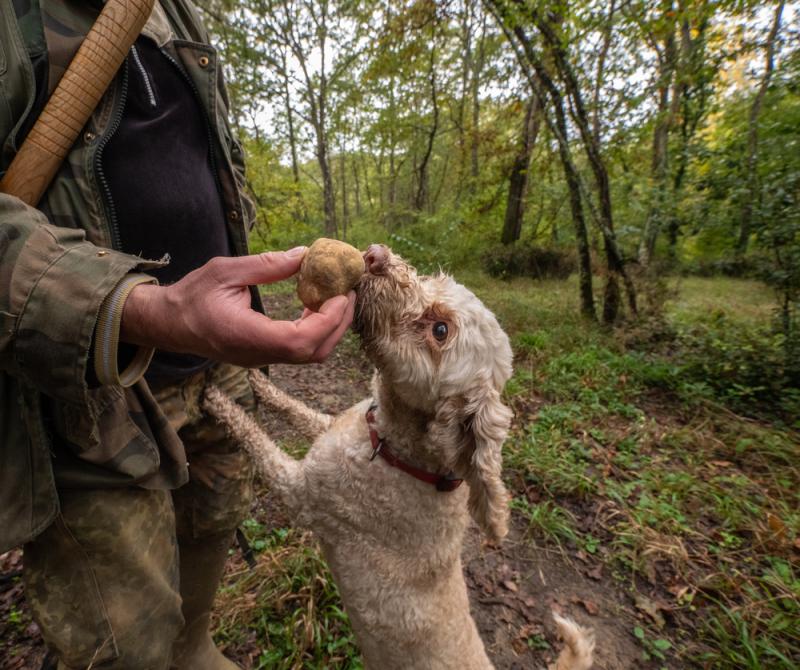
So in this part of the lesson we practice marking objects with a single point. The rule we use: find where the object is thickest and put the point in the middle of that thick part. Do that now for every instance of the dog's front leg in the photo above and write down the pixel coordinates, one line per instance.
(282, 472)
(308, 421)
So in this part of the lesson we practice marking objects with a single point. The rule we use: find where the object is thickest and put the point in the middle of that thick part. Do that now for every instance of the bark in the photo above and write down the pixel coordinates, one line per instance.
(300, 211)
(467, 16)
(343, 186)
(659, 167)
(367, 189)
(518, 181)
(751, 161)
(614, 261)
(392, 142)
(476, 110)
(558, 127)
(422, 169)
(290, 121)
(329, 203)
(356, 185)
(601, 63)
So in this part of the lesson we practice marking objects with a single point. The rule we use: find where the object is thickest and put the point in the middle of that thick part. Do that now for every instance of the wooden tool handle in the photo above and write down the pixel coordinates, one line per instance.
(78, 93)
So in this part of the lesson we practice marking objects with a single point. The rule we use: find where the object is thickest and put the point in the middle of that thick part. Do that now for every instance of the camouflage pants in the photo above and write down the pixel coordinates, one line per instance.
(103, 580)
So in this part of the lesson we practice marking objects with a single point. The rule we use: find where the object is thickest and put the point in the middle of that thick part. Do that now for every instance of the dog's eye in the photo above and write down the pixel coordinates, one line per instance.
(440, 330)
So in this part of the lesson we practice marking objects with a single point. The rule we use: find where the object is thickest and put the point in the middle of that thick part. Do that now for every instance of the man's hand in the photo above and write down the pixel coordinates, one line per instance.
(208, 313)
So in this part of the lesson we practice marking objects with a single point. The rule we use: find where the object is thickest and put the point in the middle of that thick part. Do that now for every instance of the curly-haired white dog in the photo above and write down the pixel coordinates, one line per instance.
(380, 487)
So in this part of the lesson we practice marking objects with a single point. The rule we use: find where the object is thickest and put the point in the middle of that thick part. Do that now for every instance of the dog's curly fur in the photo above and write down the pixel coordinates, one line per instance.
(393, 542)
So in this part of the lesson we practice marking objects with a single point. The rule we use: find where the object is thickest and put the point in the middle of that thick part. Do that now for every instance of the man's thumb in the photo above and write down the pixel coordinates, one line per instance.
(263, 268)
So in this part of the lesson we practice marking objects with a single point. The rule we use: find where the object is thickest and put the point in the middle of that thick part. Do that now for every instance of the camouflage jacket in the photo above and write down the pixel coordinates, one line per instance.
(58, 263)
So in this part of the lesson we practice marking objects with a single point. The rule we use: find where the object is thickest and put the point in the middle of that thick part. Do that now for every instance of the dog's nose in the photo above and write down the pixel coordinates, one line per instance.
(375, 259)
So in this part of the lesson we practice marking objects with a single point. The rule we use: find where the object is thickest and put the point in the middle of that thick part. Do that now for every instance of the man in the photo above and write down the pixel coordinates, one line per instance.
(124, 493)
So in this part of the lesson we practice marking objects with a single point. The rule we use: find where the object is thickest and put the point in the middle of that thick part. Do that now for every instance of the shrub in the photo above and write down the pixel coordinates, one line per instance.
(739, 268)
(526, 260)
(755, 370)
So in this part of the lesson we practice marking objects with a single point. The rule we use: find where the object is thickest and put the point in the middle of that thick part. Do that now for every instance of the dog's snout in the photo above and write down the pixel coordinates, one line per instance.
(375, 259)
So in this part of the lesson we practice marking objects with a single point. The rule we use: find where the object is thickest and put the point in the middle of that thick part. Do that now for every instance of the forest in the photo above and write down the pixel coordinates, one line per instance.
(618, 139)
(619, 182)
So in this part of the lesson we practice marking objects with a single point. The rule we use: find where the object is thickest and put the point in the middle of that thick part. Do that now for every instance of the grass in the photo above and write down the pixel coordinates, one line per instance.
(697, 502)
(618, 452)
(288, 602)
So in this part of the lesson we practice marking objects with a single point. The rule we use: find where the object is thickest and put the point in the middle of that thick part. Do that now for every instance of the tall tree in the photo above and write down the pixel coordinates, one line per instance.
(518, 180)
(542, 88)
(751, 159)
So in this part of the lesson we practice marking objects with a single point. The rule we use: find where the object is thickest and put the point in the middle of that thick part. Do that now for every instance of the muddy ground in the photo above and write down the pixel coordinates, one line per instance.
(513, 587)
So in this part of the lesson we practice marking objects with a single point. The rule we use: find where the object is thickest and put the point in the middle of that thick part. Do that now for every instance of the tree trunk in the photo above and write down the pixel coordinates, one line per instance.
(518, 182)
(328, 197)
(466, 18)
(290, 121)
(392, 172)
(751, 162)
(343, 182)
(667, 109)
(601, 63)
(367, 190)
(356, 186)
(531, 64)
(476, 102)
(614, 260)
(422, 170)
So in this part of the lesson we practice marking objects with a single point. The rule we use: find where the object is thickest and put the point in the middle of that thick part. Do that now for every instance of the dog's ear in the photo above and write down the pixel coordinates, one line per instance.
(469, 431)
(486, 422)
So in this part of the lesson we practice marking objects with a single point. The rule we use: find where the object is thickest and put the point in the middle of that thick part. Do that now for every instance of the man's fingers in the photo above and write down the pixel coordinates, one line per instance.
(260, 340)
(333, 339)
(257, 268)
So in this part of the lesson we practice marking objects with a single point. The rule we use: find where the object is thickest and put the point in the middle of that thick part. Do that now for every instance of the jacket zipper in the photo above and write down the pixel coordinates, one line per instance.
(148, 86)
(116, 239)
(209, 133)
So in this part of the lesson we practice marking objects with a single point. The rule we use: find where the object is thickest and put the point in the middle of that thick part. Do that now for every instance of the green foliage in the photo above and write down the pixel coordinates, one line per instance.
(627, 459)
(753, 369)
(652, 648)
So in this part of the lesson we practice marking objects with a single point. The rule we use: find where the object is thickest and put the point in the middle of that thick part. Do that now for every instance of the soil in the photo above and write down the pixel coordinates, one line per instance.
(513, 587)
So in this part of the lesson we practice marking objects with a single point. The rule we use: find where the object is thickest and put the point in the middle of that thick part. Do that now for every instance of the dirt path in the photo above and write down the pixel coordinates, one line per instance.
(513, 588)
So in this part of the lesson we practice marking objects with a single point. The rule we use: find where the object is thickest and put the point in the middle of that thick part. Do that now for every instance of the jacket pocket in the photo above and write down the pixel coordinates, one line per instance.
(104, 433)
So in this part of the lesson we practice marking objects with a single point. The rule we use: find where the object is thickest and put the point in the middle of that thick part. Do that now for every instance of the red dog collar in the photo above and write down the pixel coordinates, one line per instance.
(443, 483)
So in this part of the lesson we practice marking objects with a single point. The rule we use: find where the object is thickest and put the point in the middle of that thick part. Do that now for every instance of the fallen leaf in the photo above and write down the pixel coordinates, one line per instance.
(651, 609)
(776, 525)
(678, 590)
(529, 629)
(596, 573)
(506, 616)
(589, 605)
(520, 645)
(511, 586)
(722, 464)
(529, 601)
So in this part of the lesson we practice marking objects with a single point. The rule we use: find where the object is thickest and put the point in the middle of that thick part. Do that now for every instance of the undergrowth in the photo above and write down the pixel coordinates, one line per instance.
(288, 602)
(686, 495)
